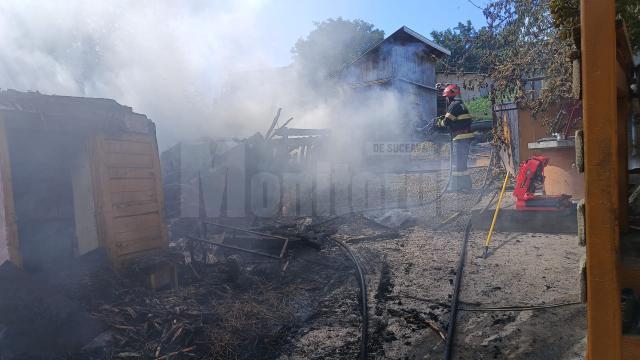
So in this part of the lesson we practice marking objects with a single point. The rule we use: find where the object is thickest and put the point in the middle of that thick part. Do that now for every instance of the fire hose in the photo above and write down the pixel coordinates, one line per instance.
(362, 281)
(364, 338)
(459, 271)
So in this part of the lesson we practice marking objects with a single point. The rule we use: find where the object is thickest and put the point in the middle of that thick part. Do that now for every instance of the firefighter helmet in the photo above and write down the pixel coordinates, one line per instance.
(452, 90)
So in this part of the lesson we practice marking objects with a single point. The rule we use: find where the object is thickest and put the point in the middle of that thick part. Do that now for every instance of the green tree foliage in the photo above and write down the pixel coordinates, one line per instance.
(466, 45)
(629, 10)
(566, 18)
(480, 108)
(527, 45)
(334, 43)
(520, 43)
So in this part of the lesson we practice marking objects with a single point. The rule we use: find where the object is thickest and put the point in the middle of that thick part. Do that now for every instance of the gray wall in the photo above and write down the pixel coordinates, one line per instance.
(407, 69)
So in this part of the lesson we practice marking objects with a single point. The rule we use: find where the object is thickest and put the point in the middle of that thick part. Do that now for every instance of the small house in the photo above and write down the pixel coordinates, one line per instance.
(405, 63)
(76, 174)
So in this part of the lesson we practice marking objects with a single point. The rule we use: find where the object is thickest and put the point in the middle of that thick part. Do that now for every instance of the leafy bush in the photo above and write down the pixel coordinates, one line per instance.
(480, 108)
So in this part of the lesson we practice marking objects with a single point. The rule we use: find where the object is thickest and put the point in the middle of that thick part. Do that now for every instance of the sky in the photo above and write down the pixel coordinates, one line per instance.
(284, 21)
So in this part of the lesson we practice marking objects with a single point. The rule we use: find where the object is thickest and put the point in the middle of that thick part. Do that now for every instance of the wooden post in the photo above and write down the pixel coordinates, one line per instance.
(6, 201)
(602, 177)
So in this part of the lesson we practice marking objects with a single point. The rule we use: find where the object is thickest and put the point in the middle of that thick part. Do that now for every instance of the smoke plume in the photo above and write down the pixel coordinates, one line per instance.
(195, 68)
(166, 59)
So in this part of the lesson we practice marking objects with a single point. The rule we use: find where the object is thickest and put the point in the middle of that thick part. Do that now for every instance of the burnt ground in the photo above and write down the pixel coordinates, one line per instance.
(307, 307)
(411, 284)
(410, 289)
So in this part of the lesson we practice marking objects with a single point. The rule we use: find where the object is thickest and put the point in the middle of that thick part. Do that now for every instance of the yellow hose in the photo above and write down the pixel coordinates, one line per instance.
(495, 215)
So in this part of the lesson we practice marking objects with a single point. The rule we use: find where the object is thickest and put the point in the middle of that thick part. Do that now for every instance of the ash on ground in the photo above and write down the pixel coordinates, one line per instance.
(307, 305)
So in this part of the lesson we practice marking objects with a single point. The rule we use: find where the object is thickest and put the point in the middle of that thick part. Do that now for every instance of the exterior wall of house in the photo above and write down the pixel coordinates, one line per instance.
(375, 66)
(78, 173)
(406, 69)
(411, 62)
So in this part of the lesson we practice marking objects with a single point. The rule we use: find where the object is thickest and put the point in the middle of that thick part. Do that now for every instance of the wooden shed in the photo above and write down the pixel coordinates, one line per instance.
(76, 174)
(403, 62)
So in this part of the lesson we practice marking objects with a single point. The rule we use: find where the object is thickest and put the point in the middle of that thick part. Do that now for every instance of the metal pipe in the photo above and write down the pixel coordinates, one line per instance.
(247, 231)
(234, 247)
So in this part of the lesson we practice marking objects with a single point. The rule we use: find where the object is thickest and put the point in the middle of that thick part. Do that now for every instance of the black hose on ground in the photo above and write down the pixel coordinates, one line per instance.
(456, 294)
(364, 339)
(458, 280)
(362, 282)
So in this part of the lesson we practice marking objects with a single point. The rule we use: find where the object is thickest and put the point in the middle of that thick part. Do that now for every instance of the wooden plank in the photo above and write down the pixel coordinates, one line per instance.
(630, 347)
(136, 137)
(134, 223)
(135, 208)
(87, 236)
(128, 197)
(128, 147)
(103, 200)
(159, 190)
(129, 185)
(7, 202)
(131, 173)
(132, 195)
(601, 177)
(128, 160)
(148, 232)
(126, 248)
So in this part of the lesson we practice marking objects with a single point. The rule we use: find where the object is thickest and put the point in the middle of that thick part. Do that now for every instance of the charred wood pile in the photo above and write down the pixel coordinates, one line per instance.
(225, 167)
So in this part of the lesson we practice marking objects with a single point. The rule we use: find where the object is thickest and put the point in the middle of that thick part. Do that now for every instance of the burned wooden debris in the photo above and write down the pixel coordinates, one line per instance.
(216, 316)
(211, 179)
(257, 236)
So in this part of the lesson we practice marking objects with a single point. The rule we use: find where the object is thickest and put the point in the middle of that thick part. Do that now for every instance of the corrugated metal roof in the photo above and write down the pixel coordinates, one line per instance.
(406, 30)
(424, 40)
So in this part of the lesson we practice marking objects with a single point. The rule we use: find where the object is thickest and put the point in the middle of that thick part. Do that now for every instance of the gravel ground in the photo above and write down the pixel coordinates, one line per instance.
(410, 284)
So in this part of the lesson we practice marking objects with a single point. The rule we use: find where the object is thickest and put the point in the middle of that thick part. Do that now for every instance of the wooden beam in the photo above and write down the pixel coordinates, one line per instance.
(285, 132)
(6, 199)
(602, 174)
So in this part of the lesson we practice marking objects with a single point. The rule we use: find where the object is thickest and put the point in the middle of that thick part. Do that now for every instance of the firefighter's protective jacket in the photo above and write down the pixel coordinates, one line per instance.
(458, 120)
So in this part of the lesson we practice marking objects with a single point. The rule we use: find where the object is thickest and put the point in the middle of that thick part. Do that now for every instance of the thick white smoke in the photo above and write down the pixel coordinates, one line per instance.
(166, 59)
(197, 68)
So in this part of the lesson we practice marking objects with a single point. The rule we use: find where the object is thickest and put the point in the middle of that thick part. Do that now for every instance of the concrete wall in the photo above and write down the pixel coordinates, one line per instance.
(561, 175)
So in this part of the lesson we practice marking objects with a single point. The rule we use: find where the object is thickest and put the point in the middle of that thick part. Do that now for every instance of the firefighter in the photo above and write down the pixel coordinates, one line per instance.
(457, 121)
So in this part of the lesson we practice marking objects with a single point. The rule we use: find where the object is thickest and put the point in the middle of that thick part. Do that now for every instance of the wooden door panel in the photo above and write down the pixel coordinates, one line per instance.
(131, 209)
